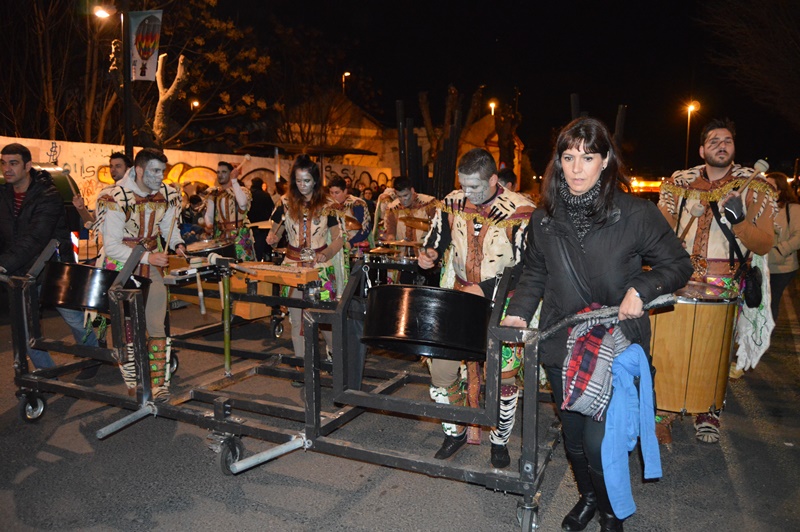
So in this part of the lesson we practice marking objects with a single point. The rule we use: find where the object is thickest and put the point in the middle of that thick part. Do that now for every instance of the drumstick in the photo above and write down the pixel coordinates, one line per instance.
(696, 211)
(239, 166)
(200, 294)
(760, 167)
(171, 227)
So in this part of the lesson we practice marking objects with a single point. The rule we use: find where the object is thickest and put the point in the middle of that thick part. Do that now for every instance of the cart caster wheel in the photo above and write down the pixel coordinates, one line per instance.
(527, 516)
(173, 364)
(230, 451)
(277, 329)
(31, 408)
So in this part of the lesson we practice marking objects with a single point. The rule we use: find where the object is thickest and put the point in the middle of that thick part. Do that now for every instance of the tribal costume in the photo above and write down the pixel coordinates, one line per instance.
(422, 206)
(127, 216)
(477, 244)
(306, 237)
(355, 208)
(227, 211)
(710, 250)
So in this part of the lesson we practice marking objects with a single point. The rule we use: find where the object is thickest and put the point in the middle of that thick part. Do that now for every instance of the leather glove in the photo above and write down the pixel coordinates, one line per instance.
(734, 210)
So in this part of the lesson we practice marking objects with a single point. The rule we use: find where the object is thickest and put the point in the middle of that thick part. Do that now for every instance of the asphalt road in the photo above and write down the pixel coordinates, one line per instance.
(160, 474)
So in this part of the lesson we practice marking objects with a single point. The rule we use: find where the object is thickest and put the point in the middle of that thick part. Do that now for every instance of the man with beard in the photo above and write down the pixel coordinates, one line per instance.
(142, 209)
(227, 205)
(746, 213)
(118, 165)
(478, 230)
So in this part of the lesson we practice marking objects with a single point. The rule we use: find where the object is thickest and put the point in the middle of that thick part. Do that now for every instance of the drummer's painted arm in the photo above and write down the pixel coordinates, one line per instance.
(241, 197)
(113, 232)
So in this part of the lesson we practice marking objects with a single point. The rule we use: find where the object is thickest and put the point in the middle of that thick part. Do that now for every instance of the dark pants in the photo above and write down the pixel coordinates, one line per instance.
(582, 434)
(263, 251)
(778, 283)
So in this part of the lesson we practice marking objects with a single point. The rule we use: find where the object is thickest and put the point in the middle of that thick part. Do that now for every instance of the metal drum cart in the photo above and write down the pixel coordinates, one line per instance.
(230, 415)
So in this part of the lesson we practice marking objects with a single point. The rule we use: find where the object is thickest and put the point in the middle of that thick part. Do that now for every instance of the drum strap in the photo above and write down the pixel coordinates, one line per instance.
(733, 246)
(680, 212)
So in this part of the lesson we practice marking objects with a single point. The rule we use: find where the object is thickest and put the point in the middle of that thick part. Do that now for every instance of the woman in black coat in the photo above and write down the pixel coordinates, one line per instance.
(588, 218)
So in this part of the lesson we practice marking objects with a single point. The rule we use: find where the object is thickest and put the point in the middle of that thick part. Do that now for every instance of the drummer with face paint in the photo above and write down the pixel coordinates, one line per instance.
(308, 217)
(227, 205)
(409, 204)
(142, 209)
(477, 231)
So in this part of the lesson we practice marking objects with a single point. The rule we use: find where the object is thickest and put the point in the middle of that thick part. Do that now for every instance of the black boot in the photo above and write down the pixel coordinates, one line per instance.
(450, 445)
(583, 512)
(608, 521)
(500, 458)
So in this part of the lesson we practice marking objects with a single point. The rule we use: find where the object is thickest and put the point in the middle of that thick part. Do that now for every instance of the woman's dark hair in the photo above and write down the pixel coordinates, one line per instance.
(594, 136)
(296, 200)
(785, 192)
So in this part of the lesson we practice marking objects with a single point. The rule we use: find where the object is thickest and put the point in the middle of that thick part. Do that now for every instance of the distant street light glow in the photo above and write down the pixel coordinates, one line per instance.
(104, 11)
(344, 77)
(692, 107)
(492, 105)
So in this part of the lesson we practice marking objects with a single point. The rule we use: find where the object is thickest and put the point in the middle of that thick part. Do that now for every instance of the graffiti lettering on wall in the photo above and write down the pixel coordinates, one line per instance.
(190, 180)
(364, 177)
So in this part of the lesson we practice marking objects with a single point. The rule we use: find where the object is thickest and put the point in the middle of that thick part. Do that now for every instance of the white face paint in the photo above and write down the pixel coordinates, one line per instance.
(153, 174)
(476, 189)
(305, 183)
(406, 197)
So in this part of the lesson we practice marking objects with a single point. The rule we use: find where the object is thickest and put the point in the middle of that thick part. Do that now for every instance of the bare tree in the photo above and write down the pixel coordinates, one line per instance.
(437, 135)
(759, 44)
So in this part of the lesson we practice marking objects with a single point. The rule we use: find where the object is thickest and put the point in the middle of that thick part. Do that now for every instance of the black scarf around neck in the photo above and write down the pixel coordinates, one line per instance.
(580, 207)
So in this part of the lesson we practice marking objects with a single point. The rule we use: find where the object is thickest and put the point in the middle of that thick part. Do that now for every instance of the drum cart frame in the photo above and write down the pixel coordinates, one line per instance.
(221, 415)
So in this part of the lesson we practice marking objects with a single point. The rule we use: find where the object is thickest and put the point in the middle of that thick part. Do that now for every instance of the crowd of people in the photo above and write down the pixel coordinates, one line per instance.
(589, 243)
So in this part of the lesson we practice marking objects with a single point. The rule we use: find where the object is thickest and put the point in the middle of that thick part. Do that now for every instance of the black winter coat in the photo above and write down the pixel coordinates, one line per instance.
(609, 262)
(41, 218)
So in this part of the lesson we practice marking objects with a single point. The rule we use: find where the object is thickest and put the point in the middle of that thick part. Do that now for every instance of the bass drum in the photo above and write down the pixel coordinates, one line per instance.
(427, 321)
(80, 287)
(204, 248)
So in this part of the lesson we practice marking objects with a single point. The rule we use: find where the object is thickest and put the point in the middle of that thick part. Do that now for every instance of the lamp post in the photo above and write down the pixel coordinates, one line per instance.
(127, 97)
(693, 106)
(492, 105)
(344, 77)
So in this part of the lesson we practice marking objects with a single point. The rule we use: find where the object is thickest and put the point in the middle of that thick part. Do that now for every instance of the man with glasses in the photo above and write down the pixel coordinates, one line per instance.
(715, 189)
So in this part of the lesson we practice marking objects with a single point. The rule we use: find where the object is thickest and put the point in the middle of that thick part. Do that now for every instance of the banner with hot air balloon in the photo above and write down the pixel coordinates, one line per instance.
(145, 34)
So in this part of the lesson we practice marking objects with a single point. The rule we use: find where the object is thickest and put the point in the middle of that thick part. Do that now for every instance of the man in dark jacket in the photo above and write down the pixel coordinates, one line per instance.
(260, 210)
(31, 214)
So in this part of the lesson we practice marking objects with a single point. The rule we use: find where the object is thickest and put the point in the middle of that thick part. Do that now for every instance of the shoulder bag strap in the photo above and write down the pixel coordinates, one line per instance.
(569, 268)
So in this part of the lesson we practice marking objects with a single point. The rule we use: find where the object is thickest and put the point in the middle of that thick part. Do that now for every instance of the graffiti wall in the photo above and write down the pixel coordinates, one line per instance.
(88, 166)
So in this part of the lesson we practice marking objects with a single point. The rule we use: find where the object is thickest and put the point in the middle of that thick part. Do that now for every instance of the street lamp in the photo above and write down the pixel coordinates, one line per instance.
(492, 105)
(104, 11)
(693, 106)
(344, 77)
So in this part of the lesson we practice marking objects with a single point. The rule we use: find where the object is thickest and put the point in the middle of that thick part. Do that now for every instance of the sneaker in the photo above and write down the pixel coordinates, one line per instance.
(450, 445)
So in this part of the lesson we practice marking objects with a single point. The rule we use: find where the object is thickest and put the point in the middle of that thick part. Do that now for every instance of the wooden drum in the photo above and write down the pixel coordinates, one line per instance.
(691, 349)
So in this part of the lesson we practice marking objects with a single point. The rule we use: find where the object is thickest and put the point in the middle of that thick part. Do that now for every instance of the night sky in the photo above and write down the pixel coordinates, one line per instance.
(650, 56)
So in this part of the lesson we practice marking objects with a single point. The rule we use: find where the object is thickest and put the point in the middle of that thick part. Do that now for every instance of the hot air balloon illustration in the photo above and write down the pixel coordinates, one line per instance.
(147, 35)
